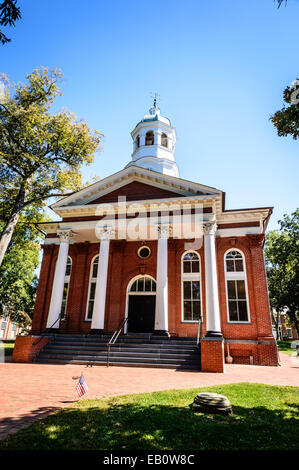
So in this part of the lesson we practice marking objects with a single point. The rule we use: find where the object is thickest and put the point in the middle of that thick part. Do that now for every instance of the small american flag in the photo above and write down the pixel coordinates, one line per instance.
(81, 386)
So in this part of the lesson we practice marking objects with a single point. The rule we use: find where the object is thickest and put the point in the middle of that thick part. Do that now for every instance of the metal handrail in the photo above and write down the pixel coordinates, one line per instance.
(198, 331)
(34, 344)
(114, 337)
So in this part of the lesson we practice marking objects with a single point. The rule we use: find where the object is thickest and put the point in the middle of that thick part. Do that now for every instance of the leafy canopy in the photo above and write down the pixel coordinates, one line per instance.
(18, 272)
(44, 152)
(282, 255)
(286, 120)
(9, 14)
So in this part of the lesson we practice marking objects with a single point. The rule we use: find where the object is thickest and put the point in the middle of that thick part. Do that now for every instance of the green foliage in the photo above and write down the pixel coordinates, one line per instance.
(285, 346)
(280, 2)
(264, 417)
(8, 346)
(41, 151)
(282, 255)
(9, 14)
(286, 120)
(41, 154)
(18, 277)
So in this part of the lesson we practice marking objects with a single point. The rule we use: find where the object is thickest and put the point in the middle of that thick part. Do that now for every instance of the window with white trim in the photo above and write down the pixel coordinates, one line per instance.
(236, 288)
(289, 332)
(143, 284)
(66, 285)
(3, 325)
(92, 287)
(191, 289)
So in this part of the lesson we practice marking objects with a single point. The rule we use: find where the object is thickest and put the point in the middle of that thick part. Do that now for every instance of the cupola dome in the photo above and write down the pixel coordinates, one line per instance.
(153, 143)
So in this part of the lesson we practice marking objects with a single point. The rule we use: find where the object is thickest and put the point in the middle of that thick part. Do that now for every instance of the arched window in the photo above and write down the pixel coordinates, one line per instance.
(191, 288)
(143, 285)
(149, 138)
(138, 141)
(164, 140)
(236, 288)
(92, 287)
(66, 285)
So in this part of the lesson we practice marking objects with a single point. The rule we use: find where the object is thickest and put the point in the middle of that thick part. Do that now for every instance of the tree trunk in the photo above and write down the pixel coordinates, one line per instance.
(277, 329)
(12, 222)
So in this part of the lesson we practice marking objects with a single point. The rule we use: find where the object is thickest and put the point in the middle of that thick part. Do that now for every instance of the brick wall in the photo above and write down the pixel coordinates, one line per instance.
(124, 265)
(27, 347)
(212, 355)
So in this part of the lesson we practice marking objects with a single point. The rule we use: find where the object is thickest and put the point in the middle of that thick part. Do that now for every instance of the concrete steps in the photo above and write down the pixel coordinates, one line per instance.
(140, 350)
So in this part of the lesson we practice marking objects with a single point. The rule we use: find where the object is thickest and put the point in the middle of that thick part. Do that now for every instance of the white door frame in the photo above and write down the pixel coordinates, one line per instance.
(128, 294)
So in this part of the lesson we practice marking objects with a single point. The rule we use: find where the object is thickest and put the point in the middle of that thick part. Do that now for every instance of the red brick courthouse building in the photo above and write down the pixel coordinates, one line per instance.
(160, 256)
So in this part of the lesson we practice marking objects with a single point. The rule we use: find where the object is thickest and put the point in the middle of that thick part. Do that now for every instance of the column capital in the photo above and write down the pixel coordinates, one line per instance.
(164, 230)
(210, 227)
(64, 236)
(105, 233)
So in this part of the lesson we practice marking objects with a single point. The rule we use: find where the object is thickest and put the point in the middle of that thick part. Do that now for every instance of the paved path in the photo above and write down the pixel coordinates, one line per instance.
(31, 391)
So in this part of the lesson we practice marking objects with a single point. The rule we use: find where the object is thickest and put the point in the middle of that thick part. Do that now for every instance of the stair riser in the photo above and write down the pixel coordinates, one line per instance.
(171, 357)
(124, 364)
(92, 339)
(149, 345)
(139, 350)
(121, 360)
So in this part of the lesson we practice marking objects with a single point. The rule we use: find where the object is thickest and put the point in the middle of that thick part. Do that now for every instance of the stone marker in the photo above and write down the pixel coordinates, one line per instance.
(211, 403)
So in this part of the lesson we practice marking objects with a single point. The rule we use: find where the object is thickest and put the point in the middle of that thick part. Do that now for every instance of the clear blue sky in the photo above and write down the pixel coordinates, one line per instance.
(220, 67)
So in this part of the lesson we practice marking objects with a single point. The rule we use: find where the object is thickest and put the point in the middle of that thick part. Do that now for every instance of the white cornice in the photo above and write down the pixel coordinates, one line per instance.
(250, 215)
(145, 205)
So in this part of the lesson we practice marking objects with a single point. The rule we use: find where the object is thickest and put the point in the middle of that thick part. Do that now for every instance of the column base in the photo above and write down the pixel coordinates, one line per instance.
(95, 331)
(214, 334)
(161, 333)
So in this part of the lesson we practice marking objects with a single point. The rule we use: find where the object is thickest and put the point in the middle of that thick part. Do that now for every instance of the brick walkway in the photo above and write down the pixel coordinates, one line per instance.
(29, 392)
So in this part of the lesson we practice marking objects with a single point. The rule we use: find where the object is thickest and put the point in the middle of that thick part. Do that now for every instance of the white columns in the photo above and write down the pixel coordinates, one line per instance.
(161, 317)
(58, 282)
(98, 316)
(212, 298)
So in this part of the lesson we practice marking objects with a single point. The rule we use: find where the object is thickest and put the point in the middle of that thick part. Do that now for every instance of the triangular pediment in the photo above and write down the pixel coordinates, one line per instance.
(136, 184)
(135, 191)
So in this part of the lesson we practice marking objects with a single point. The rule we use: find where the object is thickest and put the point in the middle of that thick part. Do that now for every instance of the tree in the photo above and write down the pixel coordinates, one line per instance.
(286, 120)
(18, 279)
(41, 154)
(9, 14)
(280, 2)
(282, 254)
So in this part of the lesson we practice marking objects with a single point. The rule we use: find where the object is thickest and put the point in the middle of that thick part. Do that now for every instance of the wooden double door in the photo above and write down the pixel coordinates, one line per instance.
(141, 313)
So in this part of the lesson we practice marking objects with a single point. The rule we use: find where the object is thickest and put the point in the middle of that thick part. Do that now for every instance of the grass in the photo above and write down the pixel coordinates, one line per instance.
(8, 347)
(285, 346)
(264, 417)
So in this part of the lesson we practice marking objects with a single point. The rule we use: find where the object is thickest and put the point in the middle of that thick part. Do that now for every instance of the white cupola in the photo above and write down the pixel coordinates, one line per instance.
(153, 143)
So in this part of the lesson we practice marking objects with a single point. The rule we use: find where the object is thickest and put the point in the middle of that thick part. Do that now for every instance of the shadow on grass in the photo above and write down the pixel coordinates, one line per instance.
(14, 424)
(125, 426)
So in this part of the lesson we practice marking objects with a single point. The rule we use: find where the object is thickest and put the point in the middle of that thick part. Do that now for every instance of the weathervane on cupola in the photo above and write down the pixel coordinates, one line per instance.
(155, 109)
(153, 142)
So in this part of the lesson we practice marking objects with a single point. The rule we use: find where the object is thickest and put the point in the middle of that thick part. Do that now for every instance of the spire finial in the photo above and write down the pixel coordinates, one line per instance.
(155, 107)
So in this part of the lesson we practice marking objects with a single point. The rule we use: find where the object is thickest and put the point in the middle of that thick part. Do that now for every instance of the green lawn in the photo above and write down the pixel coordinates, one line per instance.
(264, 417)
(285, 346)
(8, 346)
